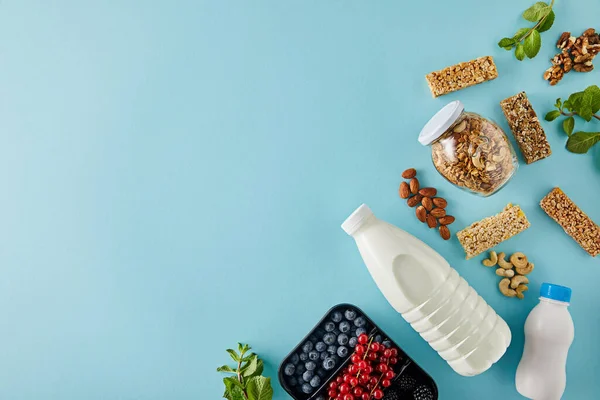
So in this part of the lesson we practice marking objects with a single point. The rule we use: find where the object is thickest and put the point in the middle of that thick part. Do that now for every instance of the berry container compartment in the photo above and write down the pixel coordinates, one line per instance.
(305, 373)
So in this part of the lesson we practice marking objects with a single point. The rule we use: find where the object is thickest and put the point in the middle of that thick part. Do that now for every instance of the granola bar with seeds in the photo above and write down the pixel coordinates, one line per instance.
(491, 231)
(526, 127)
(461, 75)
(574, 221)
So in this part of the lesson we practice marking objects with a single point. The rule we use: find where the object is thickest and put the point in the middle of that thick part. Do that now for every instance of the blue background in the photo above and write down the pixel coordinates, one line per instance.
(174, 175)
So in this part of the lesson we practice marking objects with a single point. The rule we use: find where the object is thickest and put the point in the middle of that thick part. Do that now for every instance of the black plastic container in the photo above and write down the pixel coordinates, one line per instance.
(410, 382)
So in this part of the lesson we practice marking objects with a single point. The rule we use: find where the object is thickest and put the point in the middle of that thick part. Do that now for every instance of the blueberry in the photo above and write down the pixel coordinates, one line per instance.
(344, 326)
(352, 342)
(329, 363)
(329, 338)
(303, 356)
(300, 368)
(306, 388)
(292, 381)
(343, 339)
(350, 315)
(360, 331)
(320, 346)
(323, 355)
(387, 344)
(313, 355)
(294, 358)
(310, 366)
(320, 398)
(307, 375)
(378, 338)
(308, 346)
(342, 351)
(321, 373)
(329, 326)
(360, 321)
(336, 316)
(289, 369)
(332, 349)
(315, 382)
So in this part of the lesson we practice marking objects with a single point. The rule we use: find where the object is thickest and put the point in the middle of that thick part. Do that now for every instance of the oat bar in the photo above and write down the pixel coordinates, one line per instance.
(574, 221)
(526, 127)
(461, 75)
(491, 231)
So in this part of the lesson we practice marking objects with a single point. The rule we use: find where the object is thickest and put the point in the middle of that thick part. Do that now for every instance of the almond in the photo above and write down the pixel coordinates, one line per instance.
(446, 220)
(421, 213)
(409, 173)
(414, 185)
(438, 212)
(440, 202)
(404, 190)
(427, 203)
(428, 192)
(413, 201)
(431, 221)
(444, 232)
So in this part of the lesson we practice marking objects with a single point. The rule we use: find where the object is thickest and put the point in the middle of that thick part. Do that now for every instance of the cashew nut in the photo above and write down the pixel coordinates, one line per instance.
(519, 260)
(518, 280)
(505, 290)
(520, 289)
(503, 263)
(526, 270)
(493, 260)
(508, 273)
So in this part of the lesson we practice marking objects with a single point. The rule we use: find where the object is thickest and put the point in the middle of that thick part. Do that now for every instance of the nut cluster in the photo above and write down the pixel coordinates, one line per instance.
(430, 209)
(514, 282)
(576, 54)
(475, 154)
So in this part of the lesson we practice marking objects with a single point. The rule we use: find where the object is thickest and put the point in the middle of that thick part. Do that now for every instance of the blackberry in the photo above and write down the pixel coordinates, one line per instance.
(329, 338)
(407, 383)
(289, 369)
(332, 349)
(310, 366)
(360, 331)
(343, 339)
(320, 346)
(336, 316)
(350, 315)
(344, 326)
(303, 356)
(360, 322)
(315, 381)
(306, 388)
(423, 393)
(329, 326)
(294, 358)
(391, 394)
(329, 364)
(308, 346)
(307, 375)
(342, 351)
(352, 342)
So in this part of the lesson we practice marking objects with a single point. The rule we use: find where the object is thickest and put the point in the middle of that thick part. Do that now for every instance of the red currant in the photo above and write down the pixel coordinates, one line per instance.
(333, 385)
(353, 381)
(339, 379)
(357, 391)
(362, 364)
(389, 374)
(360, 349)
(363, 379)
(393, 360)
(339, 397)
(353, 369)
(387, 353)
(368, 370)
(372, 356)
(386, 383)
(369, 387)
(348, 397)
(344, 388)
(363, 338)
(394, 352)
(355, 359)
(332, 393)
(365, 396)
(383, 360)
(378, 394)
(373, 381)
(382, 368)
(347, 378)
(375, 347)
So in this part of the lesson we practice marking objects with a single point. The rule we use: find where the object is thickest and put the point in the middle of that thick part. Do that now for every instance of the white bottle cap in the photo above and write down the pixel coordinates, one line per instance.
(440, 122)
(356, 219)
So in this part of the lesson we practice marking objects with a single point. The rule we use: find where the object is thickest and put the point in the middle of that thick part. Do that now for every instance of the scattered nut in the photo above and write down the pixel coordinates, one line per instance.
(503, 263)
(414, 200)
(576, 54)
(493, 260)
(428, 192)
(404, 190)
(525, 271)
(518, 280)
(440, 202)
(519, 260)
(427, 203)
(431, 221)
(520, 289)
(438, 212)
(446, 220)
(505, 290)
(444, 232)
(508, 273)
(409, 173)
(414, 185)
(421, 213)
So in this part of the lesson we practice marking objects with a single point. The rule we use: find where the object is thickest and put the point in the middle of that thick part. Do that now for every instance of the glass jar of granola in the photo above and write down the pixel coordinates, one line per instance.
(469, 150)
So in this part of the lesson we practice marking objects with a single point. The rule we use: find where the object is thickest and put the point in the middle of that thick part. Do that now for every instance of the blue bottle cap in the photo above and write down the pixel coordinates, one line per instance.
(555, 292)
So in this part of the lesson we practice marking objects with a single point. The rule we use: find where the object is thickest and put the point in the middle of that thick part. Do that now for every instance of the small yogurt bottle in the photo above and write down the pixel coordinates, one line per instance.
(549, 332)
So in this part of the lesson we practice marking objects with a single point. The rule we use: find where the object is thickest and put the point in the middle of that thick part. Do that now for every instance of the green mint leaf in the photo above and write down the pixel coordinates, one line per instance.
(507, 43)
(585, 110)
(254, 369)
(581, 142)
(250, 368)
(567, 105)
(234, 390)
(233, 355)
(532, 44)
(249, 357)
(548, 22)
(558, 103)
(259, 388)
(552, 115)
(569, 125)
(520, 33)
(594, 93)
(536, 11)
(240, 347)
(574, 102)
(226, 368)
(520, 52)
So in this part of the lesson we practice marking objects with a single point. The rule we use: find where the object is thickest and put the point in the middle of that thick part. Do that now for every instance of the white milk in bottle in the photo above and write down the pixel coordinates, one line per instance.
(430, 295)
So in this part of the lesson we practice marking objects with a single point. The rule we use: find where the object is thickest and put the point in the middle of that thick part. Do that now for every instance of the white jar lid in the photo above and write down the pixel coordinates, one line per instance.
(440, 122)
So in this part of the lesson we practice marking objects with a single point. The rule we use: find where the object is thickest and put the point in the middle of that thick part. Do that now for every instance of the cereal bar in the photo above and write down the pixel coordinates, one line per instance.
(491, 231)
(461, 75)
(574, 221)
(526, 127)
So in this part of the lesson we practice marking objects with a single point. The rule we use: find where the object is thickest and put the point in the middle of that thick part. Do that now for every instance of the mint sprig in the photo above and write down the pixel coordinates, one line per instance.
(584, 104)
(528, 41)
(246, 382)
